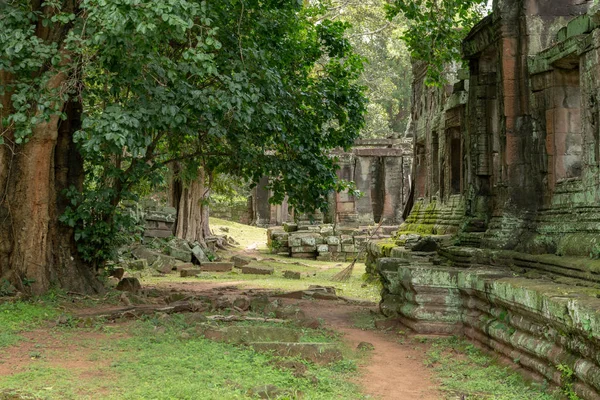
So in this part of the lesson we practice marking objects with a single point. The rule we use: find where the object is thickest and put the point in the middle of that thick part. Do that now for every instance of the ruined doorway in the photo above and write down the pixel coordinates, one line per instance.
(455, 165)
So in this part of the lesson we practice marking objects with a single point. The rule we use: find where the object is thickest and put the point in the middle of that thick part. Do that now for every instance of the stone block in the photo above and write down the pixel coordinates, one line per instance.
(360, 240)
(335, 248)
(322, 248)
(199, 254)
(306, 256)
(240, 260)
(129, 284)
(182, 255)
(332, 240)
(326, 231)
(216, 266)
(308, 241)
(257, 270)
(188, 272)
(348, 248)
(291, 275)
(158, 233)
(347, 239)
(325, 257)
(180, 266)
(137, 265)
(290, 227)
(304, 249)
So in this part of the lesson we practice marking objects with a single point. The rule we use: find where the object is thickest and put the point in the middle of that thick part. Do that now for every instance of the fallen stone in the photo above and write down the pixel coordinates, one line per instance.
(216, 266)
(258, 304)
(247, 334)
(137, 265)
(240, 260)
(242, 303)
(173, 297)
(117, 272)
(298, 369)
(180, 267)
(199, 254)
(165, 269)
(322, 295)
(195, 318)
(257, 270)
(327, 289)
(187, 272)
(319, 353)
(182, 255)
(131, 285)
(365, 346)
(289, 227)
(292, 275)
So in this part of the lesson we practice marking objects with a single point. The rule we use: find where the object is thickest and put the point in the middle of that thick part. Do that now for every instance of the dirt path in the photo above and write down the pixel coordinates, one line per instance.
(395, 371)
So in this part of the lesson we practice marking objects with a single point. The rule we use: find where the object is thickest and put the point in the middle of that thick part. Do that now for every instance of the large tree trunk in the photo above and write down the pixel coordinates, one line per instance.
(192, 209)
(36, 252)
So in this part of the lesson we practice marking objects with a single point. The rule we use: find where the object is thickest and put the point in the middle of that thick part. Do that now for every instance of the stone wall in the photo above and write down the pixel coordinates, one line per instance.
(507, 180)
(237, 211)
(508, 152)
(381, 170)
(324, 242)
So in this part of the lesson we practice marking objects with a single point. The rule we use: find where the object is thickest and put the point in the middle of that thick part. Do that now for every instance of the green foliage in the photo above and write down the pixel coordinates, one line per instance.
(99, 228)
(476, 375)
(386, 75)
(567, 377)
(18, 316)
(249, 88)
(436, 29)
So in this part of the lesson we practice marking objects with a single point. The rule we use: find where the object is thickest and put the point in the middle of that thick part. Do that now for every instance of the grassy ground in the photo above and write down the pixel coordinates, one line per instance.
(165, 358)
(466, 372)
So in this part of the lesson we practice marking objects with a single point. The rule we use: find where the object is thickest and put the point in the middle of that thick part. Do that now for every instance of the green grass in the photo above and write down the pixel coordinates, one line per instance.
(16, 317)
(245, 235)
(464, 370)
(174, 362)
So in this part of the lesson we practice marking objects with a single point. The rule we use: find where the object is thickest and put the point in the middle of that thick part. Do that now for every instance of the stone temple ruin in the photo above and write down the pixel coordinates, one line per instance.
(503, 239)
(380, 168)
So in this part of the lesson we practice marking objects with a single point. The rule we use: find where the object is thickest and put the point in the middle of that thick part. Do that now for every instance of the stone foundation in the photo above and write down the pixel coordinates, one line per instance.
(540, 312)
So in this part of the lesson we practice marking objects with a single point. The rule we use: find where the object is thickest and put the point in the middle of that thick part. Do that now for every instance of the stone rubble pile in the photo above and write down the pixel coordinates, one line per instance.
(324, 242)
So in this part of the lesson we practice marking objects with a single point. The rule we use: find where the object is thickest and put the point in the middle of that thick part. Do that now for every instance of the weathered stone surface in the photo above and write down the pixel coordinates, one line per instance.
(137, 265)
(319, 353)
(188, 272)
(246, 334)
(241, 260)
(199, 254)
(131, 285)
(216, 266)
(291, 275)
(117, 272)
(257, 270)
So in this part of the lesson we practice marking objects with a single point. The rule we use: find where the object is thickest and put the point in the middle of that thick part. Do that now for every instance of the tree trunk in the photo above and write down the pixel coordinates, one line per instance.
(36, 251)
(192, 209)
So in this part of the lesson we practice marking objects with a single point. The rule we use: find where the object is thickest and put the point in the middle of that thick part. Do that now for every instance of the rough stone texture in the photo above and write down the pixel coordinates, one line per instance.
(240, 260)
(257, 270)
(187, 272)
(129, 284)
(507, 159)
(246, 334)
(291, 275)
(324, 242)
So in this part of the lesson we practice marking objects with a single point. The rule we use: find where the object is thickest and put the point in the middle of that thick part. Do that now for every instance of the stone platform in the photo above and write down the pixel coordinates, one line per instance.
(539, 312)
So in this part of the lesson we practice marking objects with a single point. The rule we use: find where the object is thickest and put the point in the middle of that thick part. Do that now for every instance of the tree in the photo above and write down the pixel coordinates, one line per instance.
(435, 30)
(37, 156)
(253, 88)
(385, 75)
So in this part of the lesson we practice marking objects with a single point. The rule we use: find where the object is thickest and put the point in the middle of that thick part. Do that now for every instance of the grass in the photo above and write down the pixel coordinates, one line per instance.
(464, 370)
(245, 235)
(16, 317)
(174, 362)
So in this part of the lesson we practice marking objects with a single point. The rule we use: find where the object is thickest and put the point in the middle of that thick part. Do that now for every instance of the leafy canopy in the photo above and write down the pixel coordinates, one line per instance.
(250, 88)
(435, 30)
